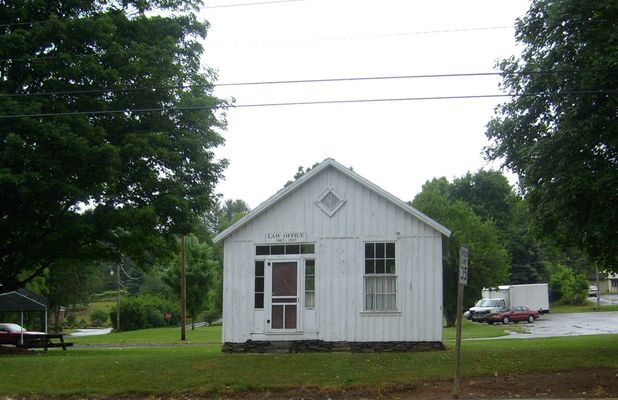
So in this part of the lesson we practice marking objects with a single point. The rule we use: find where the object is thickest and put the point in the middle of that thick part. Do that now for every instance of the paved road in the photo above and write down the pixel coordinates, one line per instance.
(577, 324)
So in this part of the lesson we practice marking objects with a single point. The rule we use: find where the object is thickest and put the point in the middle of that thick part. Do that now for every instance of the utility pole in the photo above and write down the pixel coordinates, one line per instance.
(118, 297)
(183, 291)
(598, 283)
(463, 280)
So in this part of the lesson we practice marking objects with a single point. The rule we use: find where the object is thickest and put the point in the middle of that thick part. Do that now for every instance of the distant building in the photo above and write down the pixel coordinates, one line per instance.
(608, 282)
(332, 262)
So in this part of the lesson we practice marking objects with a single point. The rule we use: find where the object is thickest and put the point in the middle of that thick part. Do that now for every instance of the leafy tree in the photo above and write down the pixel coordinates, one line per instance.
(560, 135)
(228, 213)
(488, 258)
(203, 272)
(492, 197)
(566, 286)
(299, 173)
(70, 284)
(84, 174)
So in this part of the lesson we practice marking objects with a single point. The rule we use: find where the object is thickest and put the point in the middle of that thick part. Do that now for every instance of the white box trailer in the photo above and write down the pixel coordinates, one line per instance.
(535, 295)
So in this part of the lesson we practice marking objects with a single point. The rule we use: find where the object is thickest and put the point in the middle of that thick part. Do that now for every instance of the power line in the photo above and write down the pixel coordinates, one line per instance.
(128, 52)
(299, 81)
(299, 103)
(257, 3)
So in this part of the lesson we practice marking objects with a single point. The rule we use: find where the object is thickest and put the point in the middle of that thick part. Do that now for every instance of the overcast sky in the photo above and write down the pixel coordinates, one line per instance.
(398, 145)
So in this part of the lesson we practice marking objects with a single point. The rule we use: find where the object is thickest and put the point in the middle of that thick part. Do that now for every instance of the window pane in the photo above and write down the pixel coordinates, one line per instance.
(292, 249)
(380, 250)
(380, 267)
(277, 317)
(259, 300)
(262, 250)
(370, 267)
(308, 249)
(290, 316)
(259, 284)
(390, 250)
(277, 249)
(390, 266)
(284, 279)
(369, 250)
(309, 299)
(259, 268)
(310, 267)
(380, 293)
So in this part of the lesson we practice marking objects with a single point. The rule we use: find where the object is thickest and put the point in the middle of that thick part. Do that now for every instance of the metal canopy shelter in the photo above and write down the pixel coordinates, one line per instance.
(23, 300)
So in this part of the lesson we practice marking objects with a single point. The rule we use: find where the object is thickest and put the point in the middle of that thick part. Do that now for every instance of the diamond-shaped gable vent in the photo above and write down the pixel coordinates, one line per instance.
(330, 202)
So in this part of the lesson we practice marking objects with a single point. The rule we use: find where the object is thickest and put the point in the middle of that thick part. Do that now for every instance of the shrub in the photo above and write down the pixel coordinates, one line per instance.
(566, 286)
(145, 311)
(70, 320)
(98, 317)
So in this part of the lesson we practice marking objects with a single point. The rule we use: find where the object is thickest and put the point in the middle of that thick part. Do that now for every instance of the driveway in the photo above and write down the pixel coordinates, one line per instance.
(576, 324)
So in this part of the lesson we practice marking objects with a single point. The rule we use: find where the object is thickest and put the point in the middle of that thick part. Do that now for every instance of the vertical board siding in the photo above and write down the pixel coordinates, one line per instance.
(338, 314)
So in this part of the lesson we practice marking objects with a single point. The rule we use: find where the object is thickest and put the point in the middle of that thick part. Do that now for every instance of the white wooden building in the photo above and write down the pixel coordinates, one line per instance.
(332, 261)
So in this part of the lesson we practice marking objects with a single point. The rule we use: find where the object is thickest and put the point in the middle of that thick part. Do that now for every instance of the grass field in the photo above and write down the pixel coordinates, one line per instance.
(204, 369)
(212, 335)
(97, 305)
(589, 307)
(209, 335)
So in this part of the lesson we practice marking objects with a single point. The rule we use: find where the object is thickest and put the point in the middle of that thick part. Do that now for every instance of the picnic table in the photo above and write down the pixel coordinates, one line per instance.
(45, 341)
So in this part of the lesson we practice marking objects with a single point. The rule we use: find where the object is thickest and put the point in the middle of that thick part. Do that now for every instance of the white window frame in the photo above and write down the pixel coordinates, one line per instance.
(376, 276)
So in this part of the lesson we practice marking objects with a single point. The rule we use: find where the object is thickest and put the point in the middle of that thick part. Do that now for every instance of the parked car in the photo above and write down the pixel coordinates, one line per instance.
(593, 291)
(480, 312)
(515, 314)
(12, 333)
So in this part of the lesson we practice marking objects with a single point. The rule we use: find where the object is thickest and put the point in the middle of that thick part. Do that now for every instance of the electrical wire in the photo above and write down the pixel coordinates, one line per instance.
(127, 274)
(301, 103)
(257, 3)
(297, 81)
(128, 52)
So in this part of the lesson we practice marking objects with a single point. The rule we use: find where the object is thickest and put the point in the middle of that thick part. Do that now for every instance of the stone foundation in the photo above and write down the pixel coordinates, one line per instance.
(313, 346)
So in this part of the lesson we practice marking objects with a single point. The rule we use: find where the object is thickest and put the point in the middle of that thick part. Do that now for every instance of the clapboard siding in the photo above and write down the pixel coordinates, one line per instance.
(338, 315)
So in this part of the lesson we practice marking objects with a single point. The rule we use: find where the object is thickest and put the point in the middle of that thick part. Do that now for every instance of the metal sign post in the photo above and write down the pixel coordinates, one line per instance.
(463, 280)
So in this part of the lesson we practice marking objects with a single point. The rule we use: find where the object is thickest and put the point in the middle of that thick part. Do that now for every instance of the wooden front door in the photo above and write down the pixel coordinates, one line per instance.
(284, 299)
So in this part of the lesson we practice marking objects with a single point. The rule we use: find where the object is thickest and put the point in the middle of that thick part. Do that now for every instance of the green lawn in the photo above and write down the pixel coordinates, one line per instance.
(204, 369)
(208, 335)
(212, 335)
(470, 330)
(589, 307)
(96, 305)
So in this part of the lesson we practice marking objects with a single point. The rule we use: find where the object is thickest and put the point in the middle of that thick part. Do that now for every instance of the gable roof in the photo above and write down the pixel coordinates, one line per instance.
(22, 300)
(329, 162)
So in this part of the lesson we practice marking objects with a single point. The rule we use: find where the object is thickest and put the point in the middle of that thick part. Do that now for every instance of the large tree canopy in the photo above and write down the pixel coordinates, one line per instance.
(489, 259)
(85, 172)
(560, 135)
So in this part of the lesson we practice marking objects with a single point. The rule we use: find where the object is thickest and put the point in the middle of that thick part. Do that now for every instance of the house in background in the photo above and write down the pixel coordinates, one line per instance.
(332, 262)
(608, 281)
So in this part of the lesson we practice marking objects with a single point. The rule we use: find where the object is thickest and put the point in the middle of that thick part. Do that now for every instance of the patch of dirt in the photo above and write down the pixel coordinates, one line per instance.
(12, 350)
(595, 383)
(580, 384)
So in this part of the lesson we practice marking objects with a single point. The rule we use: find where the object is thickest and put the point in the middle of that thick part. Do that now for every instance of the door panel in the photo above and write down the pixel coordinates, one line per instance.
(284, 298)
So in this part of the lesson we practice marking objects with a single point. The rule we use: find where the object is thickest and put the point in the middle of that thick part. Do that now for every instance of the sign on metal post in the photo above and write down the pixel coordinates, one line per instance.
(463, 265)
(463, 280)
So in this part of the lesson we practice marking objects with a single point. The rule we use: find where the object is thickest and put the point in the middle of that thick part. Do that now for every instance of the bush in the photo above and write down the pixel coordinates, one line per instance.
(98, 317)
(145, 311)
(70, 320)
(566, 286)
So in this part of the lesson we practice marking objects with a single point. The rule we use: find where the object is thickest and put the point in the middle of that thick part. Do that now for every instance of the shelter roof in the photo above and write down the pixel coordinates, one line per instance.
(22, 300)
